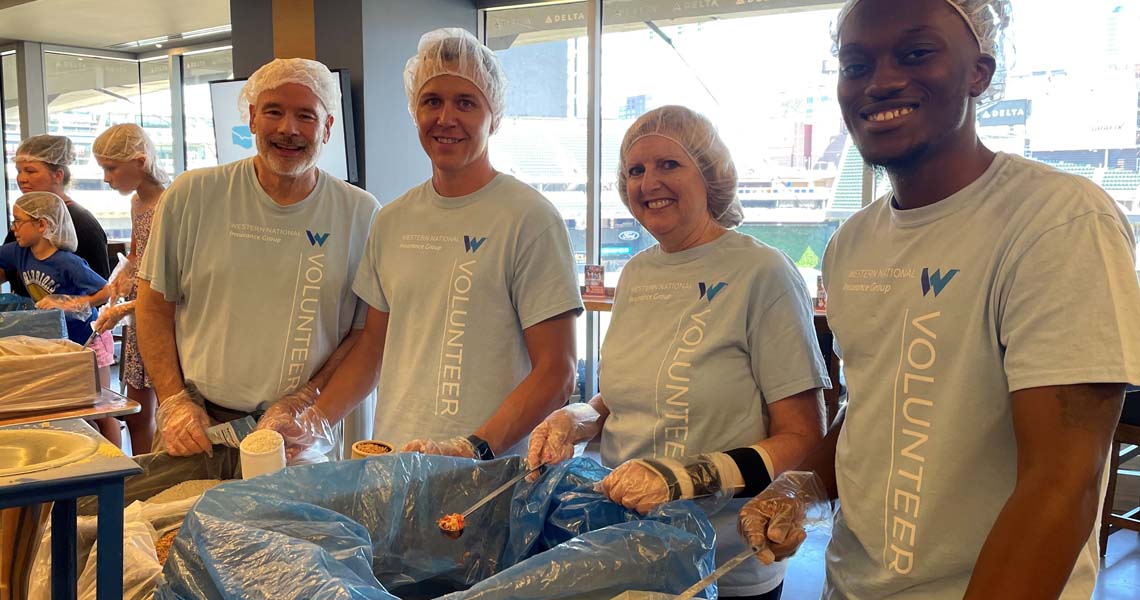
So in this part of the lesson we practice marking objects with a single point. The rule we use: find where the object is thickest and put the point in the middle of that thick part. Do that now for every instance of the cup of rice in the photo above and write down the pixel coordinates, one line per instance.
(366, 448)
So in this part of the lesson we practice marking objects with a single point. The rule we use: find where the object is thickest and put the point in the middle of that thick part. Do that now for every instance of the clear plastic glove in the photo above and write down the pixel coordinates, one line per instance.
(184, 422)
(553, 440)
(123, 285)
(76, 307)
(644, 484)
(296, 417)
(110, 316)
(122, 280)
(776, 521)
(456, 446)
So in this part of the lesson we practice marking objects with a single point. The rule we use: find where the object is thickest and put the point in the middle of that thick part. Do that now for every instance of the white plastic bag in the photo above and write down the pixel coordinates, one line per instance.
(143, 524)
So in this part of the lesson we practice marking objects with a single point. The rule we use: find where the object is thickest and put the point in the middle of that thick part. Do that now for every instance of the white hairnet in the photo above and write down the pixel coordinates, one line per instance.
(454, 51)
(698, 137)
(49, 207)
(126, 142)
(51, 149)
(309, 73)
(986, 19)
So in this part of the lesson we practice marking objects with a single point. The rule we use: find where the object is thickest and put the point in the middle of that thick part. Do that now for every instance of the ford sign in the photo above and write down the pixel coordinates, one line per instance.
(629, 236)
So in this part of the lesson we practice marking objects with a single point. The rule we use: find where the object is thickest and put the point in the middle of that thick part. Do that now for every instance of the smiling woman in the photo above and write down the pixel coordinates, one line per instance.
(678, 179)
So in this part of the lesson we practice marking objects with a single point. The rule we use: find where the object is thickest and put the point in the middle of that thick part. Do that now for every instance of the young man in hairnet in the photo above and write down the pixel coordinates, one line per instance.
(245, 290)
(988, 317)
(470, 283)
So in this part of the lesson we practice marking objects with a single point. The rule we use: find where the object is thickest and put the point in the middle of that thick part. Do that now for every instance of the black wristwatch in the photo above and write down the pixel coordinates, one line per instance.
(482, 448)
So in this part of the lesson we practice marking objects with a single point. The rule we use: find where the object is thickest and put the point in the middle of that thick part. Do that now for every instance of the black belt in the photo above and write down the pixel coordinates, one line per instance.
(222, 414)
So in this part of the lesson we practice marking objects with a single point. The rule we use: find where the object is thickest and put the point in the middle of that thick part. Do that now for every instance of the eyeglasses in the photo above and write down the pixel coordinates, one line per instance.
(17, 222)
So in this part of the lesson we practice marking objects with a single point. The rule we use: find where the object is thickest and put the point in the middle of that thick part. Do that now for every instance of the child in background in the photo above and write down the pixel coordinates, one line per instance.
(43, 255)
(130, 166)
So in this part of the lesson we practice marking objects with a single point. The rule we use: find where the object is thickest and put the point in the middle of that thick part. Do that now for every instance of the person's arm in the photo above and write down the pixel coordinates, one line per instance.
(322, 377)
(99, 298)
(134, 238)
(349, 380)
(553, 440)
(553, 360)
(821, 459)
(306, 419)
(155, 329)
(1063, 435)
(795, 428)
(6, 261)
(547, 387)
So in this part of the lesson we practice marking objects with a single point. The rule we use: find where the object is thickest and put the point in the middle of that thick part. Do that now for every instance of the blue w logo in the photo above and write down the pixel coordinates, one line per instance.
(472, 243)
(710, 292)
(936, 281)
(317, 239)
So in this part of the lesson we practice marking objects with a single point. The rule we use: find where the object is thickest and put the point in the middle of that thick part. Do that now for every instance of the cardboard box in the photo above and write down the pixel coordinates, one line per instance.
(38, 375)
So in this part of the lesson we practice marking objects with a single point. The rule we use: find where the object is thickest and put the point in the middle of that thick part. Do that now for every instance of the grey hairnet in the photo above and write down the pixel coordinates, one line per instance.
(126, 142)
(309, 73)
(454, 51)
(987, 20)
(49, 207)
(51, 149)
(698, 137)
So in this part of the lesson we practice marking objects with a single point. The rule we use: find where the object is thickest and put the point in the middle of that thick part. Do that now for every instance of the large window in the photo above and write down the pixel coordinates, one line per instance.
(85, 96)
(542, 138)
(1073, 106)
(10, 106)
(798, 173)
(764, 73)
(198, 70)
(155, 109)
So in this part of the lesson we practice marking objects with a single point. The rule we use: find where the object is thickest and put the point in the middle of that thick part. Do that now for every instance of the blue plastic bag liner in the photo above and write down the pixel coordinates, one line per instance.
(10, 302)
(46, 324)
(368, 529)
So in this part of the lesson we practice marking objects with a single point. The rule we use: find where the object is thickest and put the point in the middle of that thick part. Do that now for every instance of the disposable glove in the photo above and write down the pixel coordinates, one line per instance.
(183, 422)
(775, 522)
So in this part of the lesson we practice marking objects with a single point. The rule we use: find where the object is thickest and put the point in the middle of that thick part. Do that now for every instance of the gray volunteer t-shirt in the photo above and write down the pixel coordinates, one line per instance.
(699, 343)
(1022, 279)
(263, 291)
(461, 278)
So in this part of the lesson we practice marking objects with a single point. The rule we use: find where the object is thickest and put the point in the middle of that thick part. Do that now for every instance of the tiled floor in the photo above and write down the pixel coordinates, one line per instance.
(1119, 577)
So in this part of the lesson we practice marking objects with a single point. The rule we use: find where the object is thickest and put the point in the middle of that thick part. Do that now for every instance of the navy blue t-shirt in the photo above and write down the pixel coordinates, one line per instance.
(61, 273)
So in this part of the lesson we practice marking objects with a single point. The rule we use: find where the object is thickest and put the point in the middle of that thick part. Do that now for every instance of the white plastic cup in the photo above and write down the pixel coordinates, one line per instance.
(262, 452)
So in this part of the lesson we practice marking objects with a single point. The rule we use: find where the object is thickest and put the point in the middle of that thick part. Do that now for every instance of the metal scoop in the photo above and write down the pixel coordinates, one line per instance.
(456, 533)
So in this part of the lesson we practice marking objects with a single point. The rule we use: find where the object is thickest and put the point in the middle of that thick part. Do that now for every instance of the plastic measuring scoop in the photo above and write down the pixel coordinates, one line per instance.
(729, 565)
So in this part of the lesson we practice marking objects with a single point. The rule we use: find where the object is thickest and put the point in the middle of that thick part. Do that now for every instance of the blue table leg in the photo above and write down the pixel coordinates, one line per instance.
(64, 573)
(109, 564)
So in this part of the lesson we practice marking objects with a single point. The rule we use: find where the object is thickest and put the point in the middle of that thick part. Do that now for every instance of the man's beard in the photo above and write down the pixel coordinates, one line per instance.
(311, 152)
